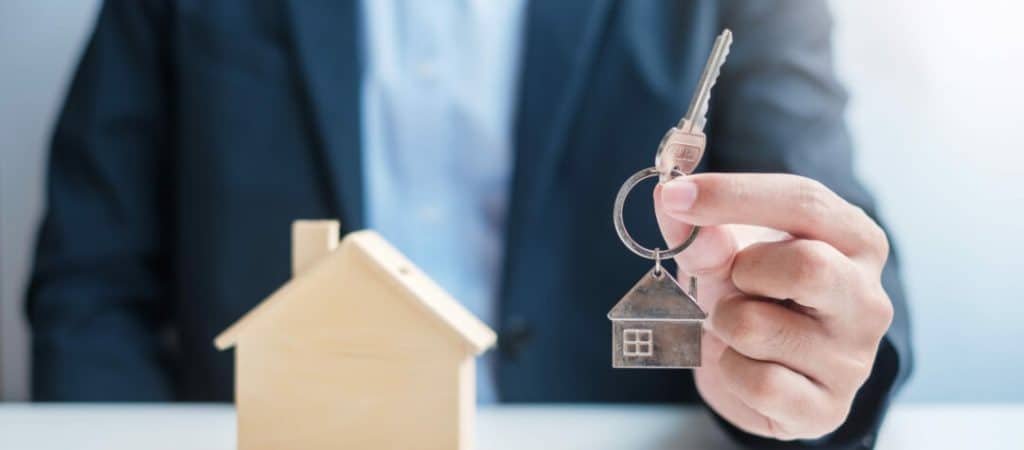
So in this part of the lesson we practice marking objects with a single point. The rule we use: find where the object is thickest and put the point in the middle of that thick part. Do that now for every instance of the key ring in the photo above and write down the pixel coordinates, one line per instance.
(620, 225)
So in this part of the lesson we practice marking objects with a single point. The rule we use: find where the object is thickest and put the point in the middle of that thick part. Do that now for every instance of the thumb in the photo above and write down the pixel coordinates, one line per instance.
(710, 256)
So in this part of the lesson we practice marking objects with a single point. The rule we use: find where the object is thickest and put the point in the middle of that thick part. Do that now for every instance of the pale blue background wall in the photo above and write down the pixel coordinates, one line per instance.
(942, 151)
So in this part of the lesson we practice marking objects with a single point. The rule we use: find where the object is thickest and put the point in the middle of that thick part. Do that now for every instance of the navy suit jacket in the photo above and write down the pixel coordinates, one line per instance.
(195, 132)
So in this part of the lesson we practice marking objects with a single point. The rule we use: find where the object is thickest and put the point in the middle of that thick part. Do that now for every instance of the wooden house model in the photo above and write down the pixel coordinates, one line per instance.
(656, 325)
(358, 350)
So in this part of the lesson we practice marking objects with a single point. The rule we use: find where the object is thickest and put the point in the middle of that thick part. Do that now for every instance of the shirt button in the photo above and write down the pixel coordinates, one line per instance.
(429, 214)
(426, 70)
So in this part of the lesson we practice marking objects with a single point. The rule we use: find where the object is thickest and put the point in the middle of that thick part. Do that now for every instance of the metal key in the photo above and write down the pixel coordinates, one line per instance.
(683, 145)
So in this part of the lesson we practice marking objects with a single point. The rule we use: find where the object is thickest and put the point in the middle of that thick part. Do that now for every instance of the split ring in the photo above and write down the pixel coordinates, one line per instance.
(620, 225)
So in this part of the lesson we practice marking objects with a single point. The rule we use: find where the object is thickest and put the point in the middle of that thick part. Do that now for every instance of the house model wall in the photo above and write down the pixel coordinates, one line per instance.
(359, 350)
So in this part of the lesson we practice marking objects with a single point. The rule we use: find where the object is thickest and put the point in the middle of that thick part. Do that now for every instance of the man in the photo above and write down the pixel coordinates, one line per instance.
(487, 141)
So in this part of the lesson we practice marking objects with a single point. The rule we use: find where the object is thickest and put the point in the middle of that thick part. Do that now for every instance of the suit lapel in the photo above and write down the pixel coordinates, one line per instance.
(561, 40)
(325, 37)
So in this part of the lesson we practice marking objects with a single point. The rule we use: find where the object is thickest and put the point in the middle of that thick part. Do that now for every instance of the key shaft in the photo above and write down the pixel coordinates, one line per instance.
(696, 114)
(683, 145)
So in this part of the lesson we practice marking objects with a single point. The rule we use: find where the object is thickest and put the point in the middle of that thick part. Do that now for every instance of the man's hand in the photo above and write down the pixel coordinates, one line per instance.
(795, 322)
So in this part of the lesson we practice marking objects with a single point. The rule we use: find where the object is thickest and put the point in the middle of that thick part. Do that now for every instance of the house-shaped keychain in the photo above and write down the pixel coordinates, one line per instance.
(656, 325)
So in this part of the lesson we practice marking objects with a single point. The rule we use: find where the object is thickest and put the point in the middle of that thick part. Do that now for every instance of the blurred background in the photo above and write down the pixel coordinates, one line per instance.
(936, 100)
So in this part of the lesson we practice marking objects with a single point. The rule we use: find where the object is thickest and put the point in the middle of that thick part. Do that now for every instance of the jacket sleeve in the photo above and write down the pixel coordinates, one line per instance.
(779, 108)
(97, 297)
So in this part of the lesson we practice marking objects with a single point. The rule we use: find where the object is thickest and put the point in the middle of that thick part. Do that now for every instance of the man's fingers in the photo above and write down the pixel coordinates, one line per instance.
(709, 258)
(795, 204)
(767, 331)
(812, 273)
(795, 406)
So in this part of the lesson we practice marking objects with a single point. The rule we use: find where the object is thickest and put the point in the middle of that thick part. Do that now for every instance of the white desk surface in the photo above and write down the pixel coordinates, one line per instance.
(595, 427)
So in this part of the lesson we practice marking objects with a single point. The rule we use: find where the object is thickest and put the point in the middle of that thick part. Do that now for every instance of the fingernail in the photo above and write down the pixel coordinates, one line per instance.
(679, 195)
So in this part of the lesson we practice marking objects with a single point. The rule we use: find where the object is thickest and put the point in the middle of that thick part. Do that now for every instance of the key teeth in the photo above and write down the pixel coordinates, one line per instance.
(702, 112)
(696, 113)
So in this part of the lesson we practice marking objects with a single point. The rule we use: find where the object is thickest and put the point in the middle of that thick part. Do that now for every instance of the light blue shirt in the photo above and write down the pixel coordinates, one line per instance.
(438, 107)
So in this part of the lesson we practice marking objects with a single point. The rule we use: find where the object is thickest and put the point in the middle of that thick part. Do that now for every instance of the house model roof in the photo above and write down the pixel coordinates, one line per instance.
(370, 248)
(657, 298)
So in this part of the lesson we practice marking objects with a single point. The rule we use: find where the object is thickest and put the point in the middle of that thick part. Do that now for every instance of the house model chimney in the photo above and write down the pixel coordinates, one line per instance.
(312, 240)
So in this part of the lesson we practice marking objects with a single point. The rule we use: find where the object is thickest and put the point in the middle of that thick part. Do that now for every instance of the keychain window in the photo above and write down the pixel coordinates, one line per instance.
(636, 342)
